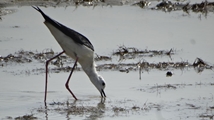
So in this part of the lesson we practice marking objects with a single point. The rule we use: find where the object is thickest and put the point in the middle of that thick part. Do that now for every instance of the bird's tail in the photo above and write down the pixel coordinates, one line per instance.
(43, 14)
(38, 9)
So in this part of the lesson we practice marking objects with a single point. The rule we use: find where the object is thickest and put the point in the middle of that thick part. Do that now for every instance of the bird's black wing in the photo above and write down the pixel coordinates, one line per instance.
(77, 37)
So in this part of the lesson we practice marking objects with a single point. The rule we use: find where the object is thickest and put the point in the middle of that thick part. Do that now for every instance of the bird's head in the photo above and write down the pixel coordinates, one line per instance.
(100, 84)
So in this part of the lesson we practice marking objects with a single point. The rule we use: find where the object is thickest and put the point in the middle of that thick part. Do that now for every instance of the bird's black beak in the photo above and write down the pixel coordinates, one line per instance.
(103, 93)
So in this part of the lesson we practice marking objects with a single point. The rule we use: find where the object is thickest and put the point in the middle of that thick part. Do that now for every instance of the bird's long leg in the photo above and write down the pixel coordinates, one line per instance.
(46, 73)
(66, 84)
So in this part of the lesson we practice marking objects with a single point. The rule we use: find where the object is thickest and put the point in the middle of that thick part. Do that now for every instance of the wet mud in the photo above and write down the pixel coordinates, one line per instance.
(167, 6)
(165, 87)
(25, 117)
(63, 62)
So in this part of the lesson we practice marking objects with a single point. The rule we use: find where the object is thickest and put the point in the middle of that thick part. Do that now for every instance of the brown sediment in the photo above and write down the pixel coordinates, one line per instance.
(165, 87)
(168, 6)
(26, 117)
(165, 5)
(208, 116)
(63, 62)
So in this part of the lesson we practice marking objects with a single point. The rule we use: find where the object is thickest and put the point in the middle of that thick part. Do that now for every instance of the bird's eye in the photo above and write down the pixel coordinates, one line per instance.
(103, 84)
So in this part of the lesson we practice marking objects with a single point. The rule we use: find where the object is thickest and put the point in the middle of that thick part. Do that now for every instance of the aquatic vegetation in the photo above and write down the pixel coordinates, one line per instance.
(26, 117)
(166, 5)
(63, 62)
(142, 3)
(169, 6)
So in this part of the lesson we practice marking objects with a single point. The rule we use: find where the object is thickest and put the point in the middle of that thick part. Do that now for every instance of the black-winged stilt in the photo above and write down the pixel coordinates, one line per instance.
(77, 47)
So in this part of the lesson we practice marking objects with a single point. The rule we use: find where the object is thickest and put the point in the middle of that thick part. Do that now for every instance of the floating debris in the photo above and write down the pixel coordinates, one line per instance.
(163, 65)
(88, 2)
(168, 86)
(191, 106)
(208, 116)
(14, 58)
(199, 65)
(168, 6)
(169, 74)
(142, 3)
(29, 56)
(26, 117)
(63, 62)
(124, 70)
(132, 52)
(99, 58)
(165, 5)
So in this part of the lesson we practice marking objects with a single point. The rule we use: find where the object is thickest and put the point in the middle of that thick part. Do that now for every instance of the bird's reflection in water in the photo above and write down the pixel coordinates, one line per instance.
(98, 112)
(46, 112)
(77, 108)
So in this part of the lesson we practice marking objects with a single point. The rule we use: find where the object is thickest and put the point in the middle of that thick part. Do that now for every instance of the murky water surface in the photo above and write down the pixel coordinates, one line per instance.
(187, 94)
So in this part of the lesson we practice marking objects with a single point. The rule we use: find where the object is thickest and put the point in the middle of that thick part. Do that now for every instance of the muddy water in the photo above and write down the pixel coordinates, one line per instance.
(185, 95)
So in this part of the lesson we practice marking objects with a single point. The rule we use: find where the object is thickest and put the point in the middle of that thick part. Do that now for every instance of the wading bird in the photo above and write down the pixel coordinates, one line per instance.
(78, 47)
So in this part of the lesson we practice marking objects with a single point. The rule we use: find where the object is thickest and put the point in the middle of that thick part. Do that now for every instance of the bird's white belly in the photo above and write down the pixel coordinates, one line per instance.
(71, 48)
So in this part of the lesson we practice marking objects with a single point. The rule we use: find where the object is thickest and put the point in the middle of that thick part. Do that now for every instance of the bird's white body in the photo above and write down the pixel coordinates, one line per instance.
(77, 47)
(84, 54)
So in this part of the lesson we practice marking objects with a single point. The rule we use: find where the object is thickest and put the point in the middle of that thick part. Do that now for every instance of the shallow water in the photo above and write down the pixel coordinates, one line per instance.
(22, 91)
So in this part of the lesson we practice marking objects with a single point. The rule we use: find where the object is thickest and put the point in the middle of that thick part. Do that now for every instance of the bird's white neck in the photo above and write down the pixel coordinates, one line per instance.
(95, 78)
(91, 71)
